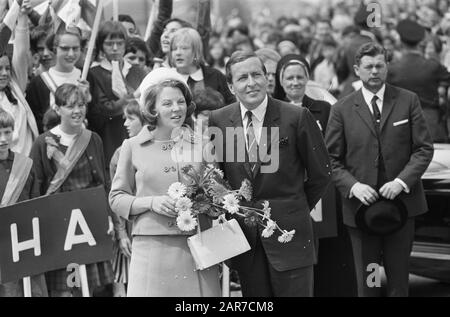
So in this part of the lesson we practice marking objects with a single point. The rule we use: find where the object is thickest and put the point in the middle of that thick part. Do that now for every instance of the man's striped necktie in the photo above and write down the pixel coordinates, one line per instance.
(252, 145)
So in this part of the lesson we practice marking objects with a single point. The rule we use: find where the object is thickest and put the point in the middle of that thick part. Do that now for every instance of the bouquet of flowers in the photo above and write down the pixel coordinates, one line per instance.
(208, 193)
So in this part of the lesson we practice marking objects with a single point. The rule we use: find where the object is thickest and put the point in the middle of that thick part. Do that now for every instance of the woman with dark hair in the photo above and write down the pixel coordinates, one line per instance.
(137, 53)
(186, 55)
(291, 77)
(84, 167)
(42, 54)
(112, 84)
(161, 263)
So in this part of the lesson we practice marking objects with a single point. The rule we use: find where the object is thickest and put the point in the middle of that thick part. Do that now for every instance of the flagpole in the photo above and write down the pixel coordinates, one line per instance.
(90, 51)
(27, 287)
(153, 14)
(116, 10)
(84, 280)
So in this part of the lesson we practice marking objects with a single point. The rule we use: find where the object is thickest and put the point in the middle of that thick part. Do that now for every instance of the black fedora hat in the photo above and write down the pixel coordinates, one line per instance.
(383, 217)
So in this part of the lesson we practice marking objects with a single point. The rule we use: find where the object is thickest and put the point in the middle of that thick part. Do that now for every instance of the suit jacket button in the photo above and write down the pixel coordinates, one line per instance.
(166, 170)
(164, 147)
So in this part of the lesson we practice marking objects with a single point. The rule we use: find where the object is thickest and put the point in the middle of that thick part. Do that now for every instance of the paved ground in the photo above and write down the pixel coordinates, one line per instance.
(419, 287)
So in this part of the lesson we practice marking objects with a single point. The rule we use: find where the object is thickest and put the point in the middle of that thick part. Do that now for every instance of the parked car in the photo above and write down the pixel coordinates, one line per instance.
(431, 249)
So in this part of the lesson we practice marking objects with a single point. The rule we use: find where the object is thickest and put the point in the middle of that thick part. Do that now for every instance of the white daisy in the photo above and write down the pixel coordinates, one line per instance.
(231, 203)
(269, 230)
(186, 222)
(183, 204)
(266, 210)
(286, 236)
(246, 190)
(177, 190)
(218, 172)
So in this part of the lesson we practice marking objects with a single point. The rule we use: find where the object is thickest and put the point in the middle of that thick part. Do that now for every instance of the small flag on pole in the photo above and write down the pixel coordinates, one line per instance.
(79, 13)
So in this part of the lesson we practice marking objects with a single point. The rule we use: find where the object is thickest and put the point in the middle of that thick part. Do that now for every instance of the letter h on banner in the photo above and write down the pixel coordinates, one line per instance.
(34, 243)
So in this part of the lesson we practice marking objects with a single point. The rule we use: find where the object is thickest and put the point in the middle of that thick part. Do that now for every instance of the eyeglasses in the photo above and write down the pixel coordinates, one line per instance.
(112, 43)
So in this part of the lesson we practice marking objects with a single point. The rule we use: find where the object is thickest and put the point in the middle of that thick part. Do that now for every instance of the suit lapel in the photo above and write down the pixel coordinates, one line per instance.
(390, 97)
(363, 111)
(270, 121)
(239, 138)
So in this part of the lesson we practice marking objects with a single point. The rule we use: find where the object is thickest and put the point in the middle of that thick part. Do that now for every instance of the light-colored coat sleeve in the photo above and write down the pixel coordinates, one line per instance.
(123, 188)
(21, 51)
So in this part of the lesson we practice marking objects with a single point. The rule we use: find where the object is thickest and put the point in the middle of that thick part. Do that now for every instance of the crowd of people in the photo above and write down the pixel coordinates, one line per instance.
(358, 107)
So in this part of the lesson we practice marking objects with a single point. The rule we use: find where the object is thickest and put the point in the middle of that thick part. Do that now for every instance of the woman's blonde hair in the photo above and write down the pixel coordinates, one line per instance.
(192, 37)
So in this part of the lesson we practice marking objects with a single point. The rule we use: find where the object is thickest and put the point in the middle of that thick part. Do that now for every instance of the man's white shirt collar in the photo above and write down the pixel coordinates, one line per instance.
(258, 113)
(368, 96)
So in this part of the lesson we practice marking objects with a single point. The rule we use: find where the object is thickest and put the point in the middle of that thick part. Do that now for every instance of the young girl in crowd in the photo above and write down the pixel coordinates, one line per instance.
(41, 90)
(186, 56)
(112, 84)
(82, 149)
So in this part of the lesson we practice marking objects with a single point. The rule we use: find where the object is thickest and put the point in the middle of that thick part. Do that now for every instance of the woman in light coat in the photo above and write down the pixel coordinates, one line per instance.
(161, 263)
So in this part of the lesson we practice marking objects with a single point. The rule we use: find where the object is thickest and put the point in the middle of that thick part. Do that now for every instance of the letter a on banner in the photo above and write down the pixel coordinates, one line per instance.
(71, 238)
(34, 243)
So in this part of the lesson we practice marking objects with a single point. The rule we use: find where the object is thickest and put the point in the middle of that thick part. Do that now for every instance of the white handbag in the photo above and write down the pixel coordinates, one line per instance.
(217, 244)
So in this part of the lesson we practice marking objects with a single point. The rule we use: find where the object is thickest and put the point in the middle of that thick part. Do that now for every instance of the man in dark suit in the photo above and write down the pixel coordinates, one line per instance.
(422, 76)
(292, 171)
(379, 146)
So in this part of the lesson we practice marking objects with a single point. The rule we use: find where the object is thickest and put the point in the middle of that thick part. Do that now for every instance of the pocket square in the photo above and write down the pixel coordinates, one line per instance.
(396, 124)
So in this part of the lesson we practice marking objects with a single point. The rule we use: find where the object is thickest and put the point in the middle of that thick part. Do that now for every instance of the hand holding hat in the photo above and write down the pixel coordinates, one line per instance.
(391, 190)
(366, 194)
